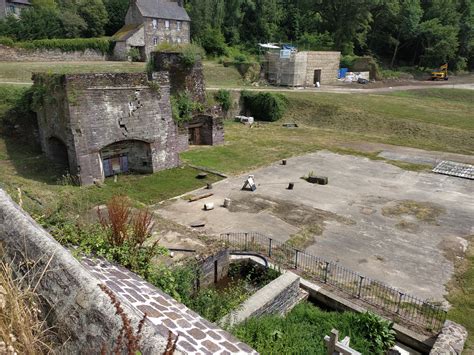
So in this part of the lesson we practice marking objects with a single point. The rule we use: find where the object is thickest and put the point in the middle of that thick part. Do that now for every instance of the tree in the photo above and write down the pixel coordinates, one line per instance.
(116, 11)
(466, 33)
(73, 24)
(95, 15)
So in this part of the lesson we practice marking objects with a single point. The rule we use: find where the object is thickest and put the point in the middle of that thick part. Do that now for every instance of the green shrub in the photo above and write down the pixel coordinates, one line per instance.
(183, 107)
(213, 41)
(103, 45)
(191, 53)
(177, 281)
(347, 61)
(7, 41)
(223, 98)
(265, 106)
(134, 54)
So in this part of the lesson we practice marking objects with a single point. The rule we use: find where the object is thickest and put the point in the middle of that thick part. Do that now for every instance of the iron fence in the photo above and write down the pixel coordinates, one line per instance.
(397, 304)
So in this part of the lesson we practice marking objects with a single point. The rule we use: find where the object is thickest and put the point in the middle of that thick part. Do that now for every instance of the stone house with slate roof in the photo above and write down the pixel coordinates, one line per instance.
(13, 7)
(150, 22)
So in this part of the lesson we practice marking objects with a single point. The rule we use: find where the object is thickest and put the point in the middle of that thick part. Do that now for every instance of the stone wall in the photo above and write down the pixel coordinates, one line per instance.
(81, 314)
(327, 62)
(451, 339)
(278, 297)
(161, 34)
(89, 112)
(183, 78)
(9, 54)
(214, 268)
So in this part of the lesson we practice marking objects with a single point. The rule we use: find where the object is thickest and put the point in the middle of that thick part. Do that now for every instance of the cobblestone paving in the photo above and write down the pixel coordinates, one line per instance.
(196, 334)
(455, 169)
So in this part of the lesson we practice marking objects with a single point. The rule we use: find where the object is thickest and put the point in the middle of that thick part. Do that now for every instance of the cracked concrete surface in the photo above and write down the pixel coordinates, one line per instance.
(403, 250)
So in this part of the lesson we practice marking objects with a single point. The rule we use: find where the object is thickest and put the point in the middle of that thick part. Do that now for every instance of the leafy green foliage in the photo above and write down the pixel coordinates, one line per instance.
(103, 45)
(183, 107)
(265, 106)
(213, 42)
(302, 331)
(134, 54)
(223, 98)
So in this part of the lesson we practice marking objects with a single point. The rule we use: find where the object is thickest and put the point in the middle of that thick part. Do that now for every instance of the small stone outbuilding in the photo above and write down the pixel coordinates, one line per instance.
(302, 68)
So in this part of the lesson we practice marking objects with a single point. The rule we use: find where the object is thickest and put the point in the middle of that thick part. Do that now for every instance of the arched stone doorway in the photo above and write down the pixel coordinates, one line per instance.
(126, 156)
(58, 153)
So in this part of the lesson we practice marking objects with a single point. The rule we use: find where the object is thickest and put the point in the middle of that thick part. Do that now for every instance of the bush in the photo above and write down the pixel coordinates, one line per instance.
(223, 98)
(213, 41)
(134, 54)
(265, 106)
(183, 107)
(7, 41)
(102, 45)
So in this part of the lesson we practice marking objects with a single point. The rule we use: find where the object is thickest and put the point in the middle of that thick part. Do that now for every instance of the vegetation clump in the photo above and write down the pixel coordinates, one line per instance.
(223, 98)
(265, 106)
(302, 331)
(102, 45)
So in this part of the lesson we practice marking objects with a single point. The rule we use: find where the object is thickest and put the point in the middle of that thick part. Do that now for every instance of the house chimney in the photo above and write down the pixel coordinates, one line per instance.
(181, 3)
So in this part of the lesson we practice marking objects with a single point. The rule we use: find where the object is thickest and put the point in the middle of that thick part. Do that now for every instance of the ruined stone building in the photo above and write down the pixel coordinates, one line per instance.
(302, 68)
(13, 7)
(99, 125)
(150, 22)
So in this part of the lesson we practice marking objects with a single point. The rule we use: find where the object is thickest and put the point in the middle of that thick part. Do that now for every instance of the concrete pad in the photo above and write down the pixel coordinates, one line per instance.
(414, 254)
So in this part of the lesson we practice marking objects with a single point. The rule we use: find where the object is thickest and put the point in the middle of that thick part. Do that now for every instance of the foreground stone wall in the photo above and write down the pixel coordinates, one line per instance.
(278, 297)
(9, 54)
(451, 339)
(79, 311)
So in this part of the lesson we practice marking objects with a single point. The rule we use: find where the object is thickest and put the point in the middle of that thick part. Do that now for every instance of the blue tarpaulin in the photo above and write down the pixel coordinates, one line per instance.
(342, 73)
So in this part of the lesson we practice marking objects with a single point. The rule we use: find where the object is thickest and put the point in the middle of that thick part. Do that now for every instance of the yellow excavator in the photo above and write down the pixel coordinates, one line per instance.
(441, 74)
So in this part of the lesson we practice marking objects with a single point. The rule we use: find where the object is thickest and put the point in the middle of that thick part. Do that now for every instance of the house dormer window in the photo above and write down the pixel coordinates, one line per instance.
(154, 23)
(167, 24)
(178, 25)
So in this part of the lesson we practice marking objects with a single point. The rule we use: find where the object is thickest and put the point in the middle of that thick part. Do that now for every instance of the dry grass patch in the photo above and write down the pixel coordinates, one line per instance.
(21, 329)
(422, 211)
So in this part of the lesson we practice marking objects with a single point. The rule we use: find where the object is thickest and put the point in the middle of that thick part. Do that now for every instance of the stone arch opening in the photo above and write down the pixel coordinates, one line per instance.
(126, 156)
(58, 152)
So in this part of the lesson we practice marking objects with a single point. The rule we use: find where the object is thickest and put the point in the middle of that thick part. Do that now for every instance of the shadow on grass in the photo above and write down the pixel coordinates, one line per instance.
(30, 163)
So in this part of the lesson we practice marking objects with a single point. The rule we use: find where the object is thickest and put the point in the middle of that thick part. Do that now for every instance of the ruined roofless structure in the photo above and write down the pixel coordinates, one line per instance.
(99, 125)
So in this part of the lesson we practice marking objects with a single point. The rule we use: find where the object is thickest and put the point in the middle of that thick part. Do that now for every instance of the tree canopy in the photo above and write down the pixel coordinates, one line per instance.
(425, 33)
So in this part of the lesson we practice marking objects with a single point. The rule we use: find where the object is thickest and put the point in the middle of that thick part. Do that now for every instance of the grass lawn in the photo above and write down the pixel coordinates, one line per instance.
(461, 297)
(217, 75)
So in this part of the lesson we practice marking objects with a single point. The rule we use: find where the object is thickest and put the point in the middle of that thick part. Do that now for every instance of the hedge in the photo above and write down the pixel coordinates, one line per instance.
(102, 45)
(265, 106)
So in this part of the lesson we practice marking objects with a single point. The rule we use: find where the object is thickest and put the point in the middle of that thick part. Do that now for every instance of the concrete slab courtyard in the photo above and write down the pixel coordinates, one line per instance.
(401, 227)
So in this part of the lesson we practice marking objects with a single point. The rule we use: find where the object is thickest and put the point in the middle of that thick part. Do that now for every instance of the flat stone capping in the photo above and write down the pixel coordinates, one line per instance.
(451, 340)
(278, 297)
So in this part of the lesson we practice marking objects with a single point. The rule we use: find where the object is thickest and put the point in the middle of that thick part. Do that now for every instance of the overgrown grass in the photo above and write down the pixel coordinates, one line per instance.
(217, 75)
(461, 296)
(302, 331)
(22, 330)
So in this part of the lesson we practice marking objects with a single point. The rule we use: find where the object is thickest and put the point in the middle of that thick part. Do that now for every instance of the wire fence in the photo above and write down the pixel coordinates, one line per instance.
(391, 301)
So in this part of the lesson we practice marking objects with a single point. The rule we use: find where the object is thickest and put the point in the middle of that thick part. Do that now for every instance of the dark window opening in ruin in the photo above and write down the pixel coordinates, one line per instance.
(317, 76)
(58, 153)
(126, 156)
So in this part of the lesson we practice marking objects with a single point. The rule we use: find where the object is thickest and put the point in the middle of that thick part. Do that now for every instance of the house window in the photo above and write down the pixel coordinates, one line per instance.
(155, 41)
(178, 40)
(154, 23)
(11, 9)
(167, 24)
(178, 25)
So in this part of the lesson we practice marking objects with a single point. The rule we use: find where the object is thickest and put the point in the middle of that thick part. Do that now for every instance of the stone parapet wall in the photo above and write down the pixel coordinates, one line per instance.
(81, 314)
(9, 54)
(278, 297)
(451, 339)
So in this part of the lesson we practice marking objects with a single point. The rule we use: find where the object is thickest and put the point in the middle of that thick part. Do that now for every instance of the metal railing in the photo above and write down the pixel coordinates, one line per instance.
(392, 302)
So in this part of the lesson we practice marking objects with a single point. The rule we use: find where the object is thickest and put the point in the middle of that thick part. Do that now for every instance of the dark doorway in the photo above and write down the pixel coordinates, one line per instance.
(126, 156)
(317, 76)
(58, 152)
